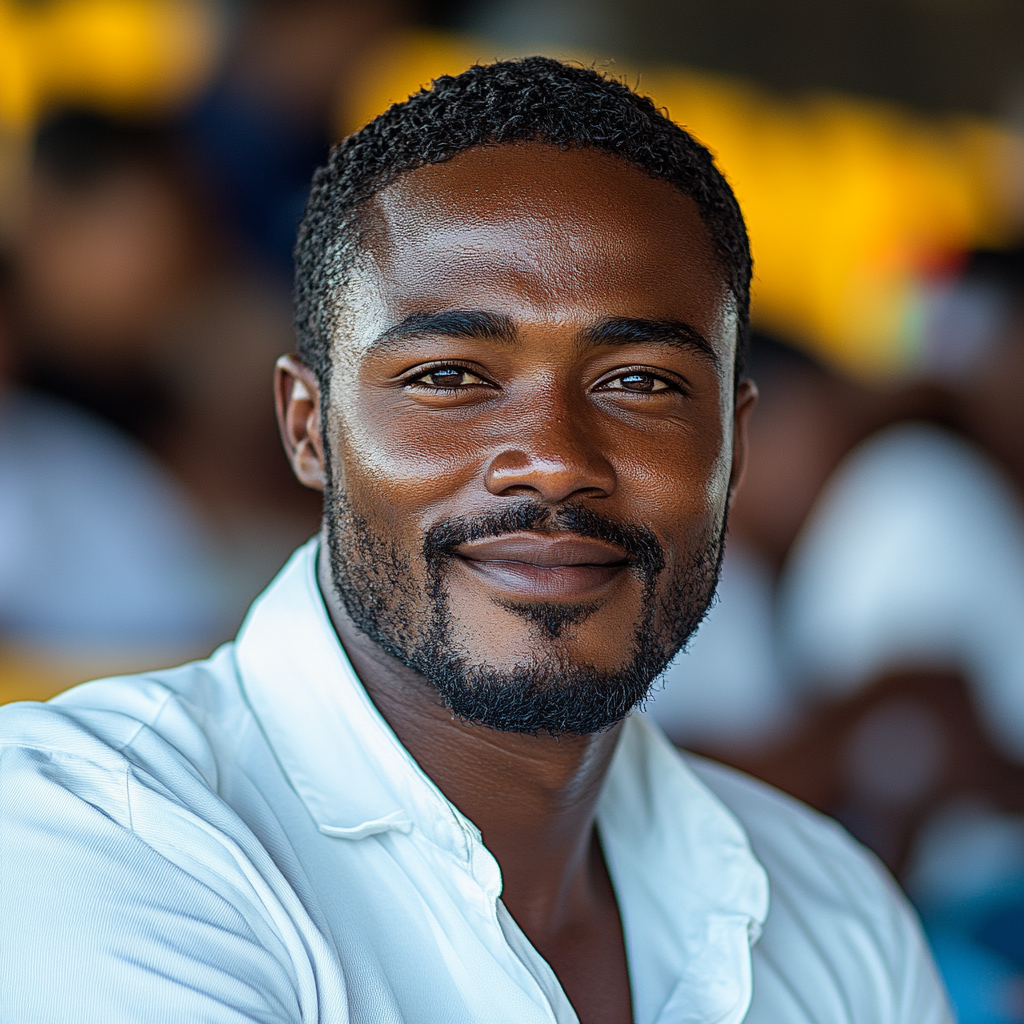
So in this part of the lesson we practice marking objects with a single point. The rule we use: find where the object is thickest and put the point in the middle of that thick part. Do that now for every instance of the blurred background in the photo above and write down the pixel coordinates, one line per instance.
(866, 652)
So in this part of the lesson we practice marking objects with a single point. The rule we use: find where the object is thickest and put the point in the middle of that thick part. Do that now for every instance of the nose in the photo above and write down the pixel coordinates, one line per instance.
(552, 457)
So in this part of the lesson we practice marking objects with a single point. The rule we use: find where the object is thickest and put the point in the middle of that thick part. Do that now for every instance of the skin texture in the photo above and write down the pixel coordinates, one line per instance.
(553, 244)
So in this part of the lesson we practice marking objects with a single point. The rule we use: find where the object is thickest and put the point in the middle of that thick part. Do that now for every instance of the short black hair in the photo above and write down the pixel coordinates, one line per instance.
(535, 99)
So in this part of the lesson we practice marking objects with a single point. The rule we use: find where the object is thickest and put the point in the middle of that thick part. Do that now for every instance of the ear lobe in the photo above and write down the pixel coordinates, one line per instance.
(297, 399)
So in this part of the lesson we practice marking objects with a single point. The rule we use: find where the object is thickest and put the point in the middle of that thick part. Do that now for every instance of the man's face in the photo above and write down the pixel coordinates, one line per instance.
(530, 432)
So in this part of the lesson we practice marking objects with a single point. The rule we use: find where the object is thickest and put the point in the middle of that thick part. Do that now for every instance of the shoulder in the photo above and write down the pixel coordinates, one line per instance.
(794, 843)
(840, 937)
(96, 740)
(125, 873)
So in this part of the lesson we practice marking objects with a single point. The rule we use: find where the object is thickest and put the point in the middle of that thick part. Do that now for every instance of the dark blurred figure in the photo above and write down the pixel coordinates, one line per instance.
(134, 304)
(268, 122)
(974, 351)
(807, 419)
(109, 249)
(966, 869)
(104, 564)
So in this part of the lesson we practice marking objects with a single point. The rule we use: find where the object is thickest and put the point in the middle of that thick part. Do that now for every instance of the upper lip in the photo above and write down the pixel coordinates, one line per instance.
(546, 550)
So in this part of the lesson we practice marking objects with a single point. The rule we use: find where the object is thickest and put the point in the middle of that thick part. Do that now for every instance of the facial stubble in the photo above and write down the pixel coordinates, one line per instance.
(408, 614)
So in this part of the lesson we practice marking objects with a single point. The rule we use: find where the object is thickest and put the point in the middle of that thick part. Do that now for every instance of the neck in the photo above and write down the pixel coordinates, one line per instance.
(533, 798)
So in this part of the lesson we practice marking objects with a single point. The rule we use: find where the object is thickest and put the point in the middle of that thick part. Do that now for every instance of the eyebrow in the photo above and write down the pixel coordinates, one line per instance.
(633, 331)
(482, 325)
(451, 323)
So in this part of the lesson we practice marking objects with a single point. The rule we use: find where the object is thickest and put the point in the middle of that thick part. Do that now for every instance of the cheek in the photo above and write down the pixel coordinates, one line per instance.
(397, 472)
(682, 479)
(718, 447)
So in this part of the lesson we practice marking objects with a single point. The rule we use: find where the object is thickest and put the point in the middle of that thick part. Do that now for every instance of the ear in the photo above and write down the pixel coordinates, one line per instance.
(297, 398)
(746, 399)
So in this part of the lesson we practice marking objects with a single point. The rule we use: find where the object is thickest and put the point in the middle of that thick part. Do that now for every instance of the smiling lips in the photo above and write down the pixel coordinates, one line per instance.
(541, 566)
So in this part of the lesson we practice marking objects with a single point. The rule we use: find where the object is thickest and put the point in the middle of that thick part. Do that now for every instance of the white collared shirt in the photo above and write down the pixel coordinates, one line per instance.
(245, 839)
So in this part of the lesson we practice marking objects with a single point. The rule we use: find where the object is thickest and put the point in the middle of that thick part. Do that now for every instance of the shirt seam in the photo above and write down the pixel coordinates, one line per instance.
(150, 724)
(128, 801)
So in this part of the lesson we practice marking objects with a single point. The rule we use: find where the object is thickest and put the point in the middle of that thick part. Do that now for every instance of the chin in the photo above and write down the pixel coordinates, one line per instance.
(548, 685)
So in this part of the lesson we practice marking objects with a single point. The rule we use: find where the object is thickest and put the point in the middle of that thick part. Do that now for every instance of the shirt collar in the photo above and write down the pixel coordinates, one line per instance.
(691, 894)
(341, 757)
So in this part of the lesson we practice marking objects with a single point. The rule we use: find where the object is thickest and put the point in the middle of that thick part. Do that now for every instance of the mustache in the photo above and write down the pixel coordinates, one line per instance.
(642, 549)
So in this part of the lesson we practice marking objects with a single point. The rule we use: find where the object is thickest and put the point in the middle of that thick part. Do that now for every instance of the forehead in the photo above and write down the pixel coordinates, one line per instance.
(540, 233)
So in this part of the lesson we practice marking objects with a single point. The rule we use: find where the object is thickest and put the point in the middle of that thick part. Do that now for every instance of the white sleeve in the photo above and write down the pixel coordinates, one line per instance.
(920, 993)
(98, 927)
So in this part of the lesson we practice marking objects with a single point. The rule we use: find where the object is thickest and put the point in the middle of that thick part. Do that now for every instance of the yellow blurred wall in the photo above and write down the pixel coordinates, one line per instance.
(121, 54)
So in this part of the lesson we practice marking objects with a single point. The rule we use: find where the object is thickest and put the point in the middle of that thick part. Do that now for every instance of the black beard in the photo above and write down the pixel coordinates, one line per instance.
(378, 588)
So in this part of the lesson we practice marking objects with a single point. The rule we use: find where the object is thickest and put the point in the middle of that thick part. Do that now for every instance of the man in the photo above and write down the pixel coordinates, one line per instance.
(410, 791)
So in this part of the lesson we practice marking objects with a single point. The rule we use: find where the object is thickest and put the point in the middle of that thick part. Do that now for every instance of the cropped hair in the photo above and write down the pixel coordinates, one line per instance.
(535, 99)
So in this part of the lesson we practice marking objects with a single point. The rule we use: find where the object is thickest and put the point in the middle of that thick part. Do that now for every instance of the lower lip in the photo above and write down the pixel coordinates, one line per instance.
(558, 583)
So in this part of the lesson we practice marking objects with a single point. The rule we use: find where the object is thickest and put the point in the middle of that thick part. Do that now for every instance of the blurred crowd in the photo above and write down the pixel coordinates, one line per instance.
(866, 650)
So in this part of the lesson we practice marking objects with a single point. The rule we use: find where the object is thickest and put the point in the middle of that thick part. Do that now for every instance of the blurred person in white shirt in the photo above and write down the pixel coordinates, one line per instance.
(104, 561)
(122, 279)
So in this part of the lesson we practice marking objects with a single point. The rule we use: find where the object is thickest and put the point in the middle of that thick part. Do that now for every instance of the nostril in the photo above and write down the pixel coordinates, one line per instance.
(509, 473)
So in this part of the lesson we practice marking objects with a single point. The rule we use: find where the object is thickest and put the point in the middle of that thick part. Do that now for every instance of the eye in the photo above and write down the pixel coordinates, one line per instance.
(448, 378)
(638, 382)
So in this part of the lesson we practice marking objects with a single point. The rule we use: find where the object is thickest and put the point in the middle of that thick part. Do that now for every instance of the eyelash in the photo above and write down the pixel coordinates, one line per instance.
(417, 380)
(670, 385)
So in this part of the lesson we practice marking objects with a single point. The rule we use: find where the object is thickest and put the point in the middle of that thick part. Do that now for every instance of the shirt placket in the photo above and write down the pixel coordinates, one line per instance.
(531, 971)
